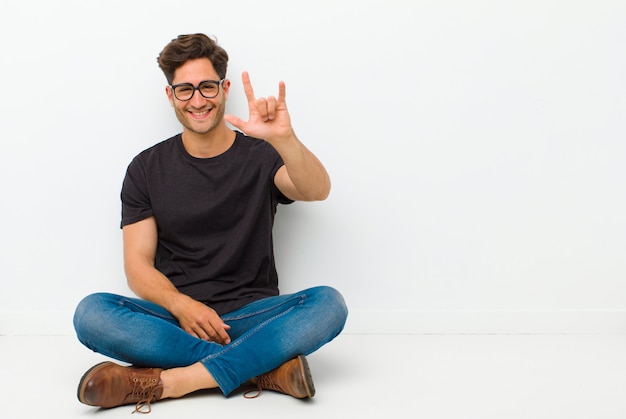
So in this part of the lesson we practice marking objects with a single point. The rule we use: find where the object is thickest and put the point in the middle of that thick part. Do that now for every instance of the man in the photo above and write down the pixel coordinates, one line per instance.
(197, 217)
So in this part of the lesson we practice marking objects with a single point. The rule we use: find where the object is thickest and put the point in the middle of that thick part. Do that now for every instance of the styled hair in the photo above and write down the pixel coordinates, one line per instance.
(190, 47)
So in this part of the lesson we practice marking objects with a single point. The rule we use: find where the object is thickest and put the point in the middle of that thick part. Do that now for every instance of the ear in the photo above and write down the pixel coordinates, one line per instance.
(226, 87)
(170, 95)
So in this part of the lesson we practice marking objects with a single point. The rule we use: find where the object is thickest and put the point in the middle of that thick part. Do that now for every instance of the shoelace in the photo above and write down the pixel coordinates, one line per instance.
(259, 390)
(263, 382)
(143, 392)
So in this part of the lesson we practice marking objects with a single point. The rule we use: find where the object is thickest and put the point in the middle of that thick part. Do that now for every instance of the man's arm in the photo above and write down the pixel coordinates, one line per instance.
(303, 177)
(140, 242)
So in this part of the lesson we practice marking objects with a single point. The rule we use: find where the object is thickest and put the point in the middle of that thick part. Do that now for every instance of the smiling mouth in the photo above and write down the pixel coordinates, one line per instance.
(201, 114)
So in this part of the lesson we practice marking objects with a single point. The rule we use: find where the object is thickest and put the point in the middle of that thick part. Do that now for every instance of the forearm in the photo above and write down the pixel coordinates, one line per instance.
(140, 243)
(151, 285)
(305, 170)
(194, 317)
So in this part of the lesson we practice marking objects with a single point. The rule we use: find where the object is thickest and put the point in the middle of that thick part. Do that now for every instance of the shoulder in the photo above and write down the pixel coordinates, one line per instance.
(255, 145)
(163, 147)
(156, 152)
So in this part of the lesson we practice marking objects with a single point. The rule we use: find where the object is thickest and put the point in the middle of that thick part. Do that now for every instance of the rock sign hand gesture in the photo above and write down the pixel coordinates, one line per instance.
(268, 119)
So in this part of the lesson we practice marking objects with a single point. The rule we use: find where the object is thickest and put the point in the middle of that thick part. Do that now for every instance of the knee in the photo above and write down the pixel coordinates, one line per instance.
(333, 305)
(88, 314)
(88, 305)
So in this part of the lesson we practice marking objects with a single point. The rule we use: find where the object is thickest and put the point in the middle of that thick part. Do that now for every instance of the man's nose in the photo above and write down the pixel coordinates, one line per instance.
(197, 99)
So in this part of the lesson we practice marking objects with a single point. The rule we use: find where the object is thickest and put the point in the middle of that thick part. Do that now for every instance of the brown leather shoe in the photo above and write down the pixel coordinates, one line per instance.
(110, 385)
(292, 378)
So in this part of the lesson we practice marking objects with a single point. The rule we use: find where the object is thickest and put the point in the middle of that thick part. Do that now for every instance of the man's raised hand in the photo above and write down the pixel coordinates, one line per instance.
(268, 118)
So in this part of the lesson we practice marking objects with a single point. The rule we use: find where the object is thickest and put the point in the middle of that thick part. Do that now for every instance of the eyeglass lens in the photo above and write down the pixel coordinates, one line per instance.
(208, 89)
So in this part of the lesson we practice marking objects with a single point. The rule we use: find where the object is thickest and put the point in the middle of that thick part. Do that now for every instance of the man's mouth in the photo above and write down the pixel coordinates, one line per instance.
(200, 114)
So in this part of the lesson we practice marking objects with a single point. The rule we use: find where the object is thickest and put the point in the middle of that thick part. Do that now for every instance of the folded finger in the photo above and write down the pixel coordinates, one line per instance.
(271, 107)
(261, 107)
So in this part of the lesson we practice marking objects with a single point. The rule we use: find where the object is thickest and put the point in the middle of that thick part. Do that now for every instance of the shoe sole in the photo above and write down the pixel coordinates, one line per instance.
(306, 375)
(80, 393)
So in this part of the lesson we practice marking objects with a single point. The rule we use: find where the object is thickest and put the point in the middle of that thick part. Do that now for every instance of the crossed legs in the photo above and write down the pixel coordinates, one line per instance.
(145, 335)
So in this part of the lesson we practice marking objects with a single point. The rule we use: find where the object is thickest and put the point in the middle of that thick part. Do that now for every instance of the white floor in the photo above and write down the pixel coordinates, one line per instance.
(397, 376)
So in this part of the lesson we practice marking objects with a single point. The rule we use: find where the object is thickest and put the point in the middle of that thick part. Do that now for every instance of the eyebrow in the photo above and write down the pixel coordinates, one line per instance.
(186, 82)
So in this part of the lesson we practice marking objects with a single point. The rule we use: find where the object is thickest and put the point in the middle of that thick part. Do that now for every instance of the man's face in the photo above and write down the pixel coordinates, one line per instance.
(198, 114)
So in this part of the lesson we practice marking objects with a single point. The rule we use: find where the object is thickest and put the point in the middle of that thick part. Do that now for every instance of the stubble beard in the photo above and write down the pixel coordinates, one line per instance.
(217, 115)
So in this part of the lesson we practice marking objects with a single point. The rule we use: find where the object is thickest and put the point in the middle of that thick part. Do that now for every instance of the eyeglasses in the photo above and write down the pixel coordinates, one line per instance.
(208, 89)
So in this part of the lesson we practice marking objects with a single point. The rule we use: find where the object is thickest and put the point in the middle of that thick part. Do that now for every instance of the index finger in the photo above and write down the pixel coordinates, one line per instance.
(247, 86)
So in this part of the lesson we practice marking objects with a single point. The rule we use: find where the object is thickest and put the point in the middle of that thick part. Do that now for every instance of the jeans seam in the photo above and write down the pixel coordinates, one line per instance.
(123, 302)
(253, 331)
(266, 309)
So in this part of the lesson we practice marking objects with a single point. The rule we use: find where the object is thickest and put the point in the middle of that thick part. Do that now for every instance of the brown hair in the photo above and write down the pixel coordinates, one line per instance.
(190, 47)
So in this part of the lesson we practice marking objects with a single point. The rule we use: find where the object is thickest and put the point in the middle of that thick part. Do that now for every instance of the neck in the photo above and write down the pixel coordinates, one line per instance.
(210, 144)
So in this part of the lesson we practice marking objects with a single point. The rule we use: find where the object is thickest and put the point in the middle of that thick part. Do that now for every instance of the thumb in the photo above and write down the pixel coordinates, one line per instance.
(234, 121)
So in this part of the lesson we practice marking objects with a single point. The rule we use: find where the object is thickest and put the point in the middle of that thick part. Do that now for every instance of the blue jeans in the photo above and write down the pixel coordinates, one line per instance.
(264, 334)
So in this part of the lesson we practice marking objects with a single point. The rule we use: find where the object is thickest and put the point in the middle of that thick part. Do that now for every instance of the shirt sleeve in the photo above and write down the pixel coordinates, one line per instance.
(277, 164)
(136, 204)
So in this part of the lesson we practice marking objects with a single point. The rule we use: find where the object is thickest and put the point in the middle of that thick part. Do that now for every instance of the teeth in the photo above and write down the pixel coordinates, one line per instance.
(201, 113)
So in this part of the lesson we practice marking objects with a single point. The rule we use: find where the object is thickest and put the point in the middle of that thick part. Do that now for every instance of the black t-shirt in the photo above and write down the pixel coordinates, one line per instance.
(214, 218)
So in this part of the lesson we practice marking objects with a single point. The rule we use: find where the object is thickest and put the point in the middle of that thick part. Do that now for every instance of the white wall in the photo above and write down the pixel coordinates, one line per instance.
(476, 148)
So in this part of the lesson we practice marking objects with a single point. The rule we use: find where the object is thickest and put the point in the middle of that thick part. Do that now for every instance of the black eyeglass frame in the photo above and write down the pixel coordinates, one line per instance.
(218, 83)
